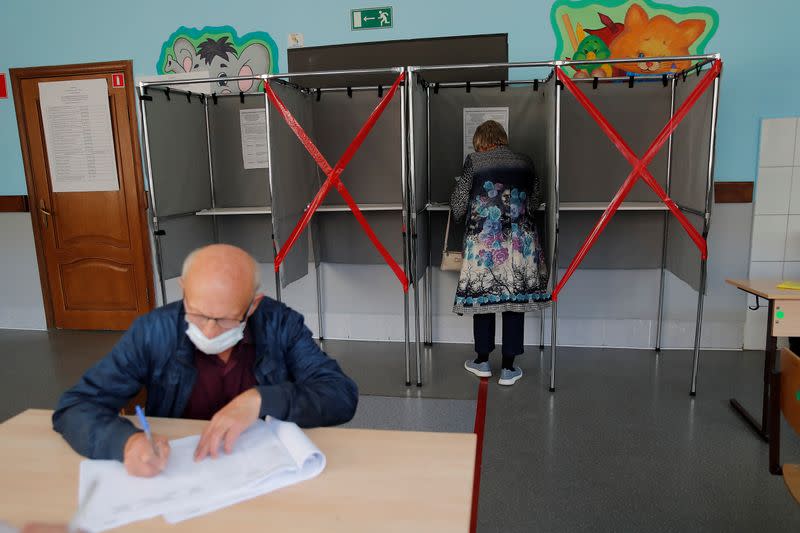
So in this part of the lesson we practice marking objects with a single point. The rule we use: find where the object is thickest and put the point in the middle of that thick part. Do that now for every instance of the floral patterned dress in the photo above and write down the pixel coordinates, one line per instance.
(504, 267)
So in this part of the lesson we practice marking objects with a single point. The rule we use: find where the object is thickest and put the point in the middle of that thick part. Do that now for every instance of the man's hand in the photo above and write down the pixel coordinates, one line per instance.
(228, 424)
(139, 457)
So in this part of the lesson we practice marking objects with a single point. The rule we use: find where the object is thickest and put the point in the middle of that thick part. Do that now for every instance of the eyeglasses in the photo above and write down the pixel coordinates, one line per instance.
(201, 320)
(225, 323)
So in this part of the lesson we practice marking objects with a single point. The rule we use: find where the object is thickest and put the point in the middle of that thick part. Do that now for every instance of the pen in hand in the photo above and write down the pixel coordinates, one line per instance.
(146, 428)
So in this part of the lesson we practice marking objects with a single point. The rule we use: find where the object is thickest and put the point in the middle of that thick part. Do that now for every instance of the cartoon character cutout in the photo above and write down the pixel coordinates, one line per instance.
(220, 59)
(641, 36)
(591, 48)
(660, 36)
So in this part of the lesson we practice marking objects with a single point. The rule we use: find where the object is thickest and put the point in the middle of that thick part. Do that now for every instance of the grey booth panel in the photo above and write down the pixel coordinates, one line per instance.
(528, 110)
(182, 235)
(374, 175)
(690, 147)
(176, 130)
(342, 240)
(544, 141)
(551, 215)
(419, 112)
(252, 233)
(592, 169)
(314, 249)
(421, 243)
(683, 256)
(632, 240)
(235, 186)
(294, 179)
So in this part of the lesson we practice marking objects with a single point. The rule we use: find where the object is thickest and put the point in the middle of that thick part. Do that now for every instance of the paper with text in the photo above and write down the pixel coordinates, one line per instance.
(268, 456)
(77, 131)
(253, 123)
(475, 116)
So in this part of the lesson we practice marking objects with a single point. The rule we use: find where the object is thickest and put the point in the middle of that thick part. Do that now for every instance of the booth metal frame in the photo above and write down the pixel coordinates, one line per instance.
(283, 78)
(408, 210)
(701, 61)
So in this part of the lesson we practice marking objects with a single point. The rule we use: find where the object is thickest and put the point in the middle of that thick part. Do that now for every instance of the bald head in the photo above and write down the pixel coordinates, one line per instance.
(219, 280)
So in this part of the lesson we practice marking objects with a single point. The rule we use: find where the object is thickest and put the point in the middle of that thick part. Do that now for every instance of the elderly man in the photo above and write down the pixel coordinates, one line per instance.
(225, 353)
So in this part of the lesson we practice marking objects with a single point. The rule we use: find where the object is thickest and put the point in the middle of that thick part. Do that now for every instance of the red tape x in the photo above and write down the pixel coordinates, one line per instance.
(334, 174)
(639, 167)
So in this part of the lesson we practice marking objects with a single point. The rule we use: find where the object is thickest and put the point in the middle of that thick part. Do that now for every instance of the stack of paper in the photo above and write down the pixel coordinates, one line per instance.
(269, 455)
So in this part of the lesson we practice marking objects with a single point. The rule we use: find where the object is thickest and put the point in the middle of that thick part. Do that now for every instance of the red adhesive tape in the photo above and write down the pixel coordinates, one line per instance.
(334, 174)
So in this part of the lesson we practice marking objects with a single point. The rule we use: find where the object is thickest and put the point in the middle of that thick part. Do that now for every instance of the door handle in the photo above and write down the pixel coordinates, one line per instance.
(45, 212)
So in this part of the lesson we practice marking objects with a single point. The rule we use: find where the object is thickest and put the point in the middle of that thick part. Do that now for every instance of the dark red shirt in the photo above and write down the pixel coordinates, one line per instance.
(217, 382)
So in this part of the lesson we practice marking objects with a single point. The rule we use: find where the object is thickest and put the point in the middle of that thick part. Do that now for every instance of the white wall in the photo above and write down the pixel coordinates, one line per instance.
(21, 304)
(775, 246)
(598, 307)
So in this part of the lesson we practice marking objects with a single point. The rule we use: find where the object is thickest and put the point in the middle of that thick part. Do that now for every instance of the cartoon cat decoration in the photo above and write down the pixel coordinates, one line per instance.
(660, 36)
(640, 36)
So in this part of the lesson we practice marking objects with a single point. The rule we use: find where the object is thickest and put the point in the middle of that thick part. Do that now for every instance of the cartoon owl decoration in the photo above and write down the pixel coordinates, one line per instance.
(591, 48)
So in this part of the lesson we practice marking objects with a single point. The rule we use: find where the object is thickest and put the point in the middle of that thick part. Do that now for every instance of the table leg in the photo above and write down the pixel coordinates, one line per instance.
(769, 365)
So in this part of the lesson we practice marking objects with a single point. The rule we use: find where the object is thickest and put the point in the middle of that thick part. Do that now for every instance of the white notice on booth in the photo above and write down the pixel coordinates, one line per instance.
(77, 132)
(475, 116)
(254, 138)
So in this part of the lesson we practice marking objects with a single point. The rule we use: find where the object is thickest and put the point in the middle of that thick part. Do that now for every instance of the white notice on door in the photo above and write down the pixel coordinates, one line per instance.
(77, 132)
(254, 138)
(475, 116)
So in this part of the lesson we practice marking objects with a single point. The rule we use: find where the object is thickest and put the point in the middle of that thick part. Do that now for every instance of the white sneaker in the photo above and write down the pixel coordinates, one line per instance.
(509, 377)
(482, 370)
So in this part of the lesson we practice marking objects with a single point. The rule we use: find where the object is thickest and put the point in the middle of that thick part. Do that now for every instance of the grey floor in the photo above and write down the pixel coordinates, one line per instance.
(379, 369)
(414, 414)
(619, 446)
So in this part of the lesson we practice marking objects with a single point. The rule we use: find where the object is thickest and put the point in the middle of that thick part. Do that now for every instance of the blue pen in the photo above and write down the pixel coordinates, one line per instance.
(146, 428)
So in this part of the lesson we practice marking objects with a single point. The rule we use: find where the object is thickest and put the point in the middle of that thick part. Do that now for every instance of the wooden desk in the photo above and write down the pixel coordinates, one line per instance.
(374, 481)
(783, 320)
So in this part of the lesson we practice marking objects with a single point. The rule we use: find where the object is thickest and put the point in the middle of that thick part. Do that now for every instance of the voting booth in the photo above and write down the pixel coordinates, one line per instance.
(580, 167)
(357, 167)
(230, 169)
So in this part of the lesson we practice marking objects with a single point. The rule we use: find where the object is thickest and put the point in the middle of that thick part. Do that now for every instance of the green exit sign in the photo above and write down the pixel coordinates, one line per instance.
(371, 18)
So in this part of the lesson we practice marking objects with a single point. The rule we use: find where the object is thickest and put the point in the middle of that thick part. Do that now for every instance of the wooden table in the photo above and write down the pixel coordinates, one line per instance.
(783, 320)
(374, 481)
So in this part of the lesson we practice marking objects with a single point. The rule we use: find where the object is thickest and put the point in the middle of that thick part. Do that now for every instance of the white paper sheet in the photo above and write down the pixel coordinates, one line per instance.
(475, 116)
(254, 138)
(268, 456)
(308, 462)
(77, 131)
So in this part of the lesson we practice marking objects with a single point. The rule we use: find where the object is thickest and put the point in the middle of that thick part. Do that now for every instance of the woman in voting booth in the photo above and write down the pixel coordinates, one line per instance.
(503, 268)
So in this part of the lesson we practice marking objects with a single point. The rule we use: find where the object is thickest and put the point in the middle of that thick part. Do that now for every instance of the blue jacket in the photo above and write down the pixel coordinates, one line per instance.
(298, 382)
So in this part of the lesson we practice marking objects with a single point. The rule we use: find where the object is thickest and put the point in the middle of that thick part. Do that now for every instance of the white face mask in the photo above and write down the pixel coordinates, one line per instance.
(218, 344)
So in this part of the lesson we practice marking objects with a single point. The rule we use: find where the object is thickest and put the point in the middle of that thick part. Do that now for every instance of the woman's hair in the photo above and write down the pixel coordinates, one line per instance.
(489, 135)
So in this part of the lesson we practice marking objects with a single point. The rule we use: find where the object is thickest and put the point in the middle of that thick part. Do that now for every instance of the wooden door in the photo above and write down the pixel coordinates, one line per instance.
(92, 247)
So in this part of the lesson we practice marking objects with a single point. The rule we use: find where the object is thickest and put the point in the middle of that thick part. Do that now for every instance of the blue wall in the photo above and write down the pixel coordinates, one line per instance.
(760, 78)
